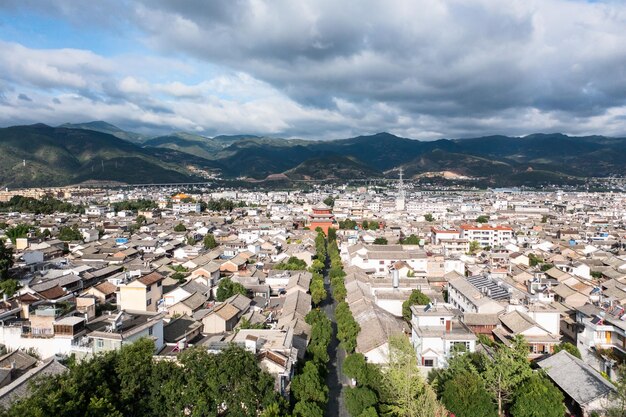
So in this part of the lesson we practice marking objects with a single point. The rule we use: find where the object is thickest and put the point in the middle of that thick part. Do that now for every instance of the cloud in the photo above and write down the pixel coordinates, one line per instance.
(24, 97)
(419, 68)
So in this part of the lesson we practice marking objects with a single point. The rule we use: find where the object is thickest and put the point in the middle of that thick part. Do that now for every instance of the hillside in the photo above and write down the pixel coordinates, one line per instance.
(40, 155)
(64, 155)
(331, 167)
(104, 127)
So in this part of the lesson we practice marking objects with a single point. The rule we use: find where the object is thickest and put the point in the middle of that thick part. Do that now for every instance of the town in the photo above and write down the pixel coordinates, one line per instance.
(451, 274)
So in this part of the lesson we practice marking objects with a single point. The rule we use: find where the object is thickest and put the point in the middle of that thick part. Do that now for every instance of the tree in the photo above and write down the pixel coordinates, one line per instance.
(429, 217)
(141, 219)
(17, 232)
(292, 264)
(538, 397)
(573, 350)
(534, 260)
(68, 234)
(374, 225)
(209, 241)
(6, 260)
(482, 219)
(227, 288)
(9, 286)
(329, 201)
(347, 224)
(180, 228)
(416, 298)
(474, 246)
(307, 409)
(332, 234)
(405, 393)
(318, 292)
(365, 224)
(358, 399)
(411, 240)
(508, 369)
(465, 396)
(308, 385)
(380, 241)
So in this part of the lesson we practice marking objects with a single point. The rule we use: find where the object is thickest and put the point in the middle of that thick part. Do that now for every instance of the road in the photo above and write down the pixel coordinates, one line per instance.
(335, 380)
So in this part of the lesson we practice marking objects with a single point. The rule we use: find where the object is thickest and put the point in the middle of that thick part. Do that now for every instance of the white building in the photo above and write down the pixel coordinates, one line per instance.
(435, 334)
(487, 235)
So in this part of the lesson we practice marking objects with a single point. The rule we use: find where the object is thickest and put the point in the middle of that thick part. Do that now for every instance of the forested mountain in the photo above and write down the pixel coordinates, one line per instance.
(40, 155)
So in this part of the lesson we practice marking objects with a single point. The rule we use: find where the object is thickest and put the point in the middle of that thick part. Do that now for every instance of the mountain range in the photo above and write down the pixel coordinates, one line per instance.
(41, 155)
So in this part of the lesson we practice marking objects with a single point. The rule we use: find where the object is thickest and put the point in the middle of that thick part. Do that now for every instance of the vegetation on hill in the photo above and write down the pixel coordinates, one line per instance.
(45, 205)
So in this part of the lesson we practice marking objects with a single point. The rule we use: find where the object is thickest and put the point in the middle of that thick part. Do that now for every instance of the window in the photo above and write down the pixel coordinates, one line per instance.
(99, 343)
(429, 362)
(150, 331)
(148, 288)
(381, 262)
(442, 321)
(149, 301)
(159, 284)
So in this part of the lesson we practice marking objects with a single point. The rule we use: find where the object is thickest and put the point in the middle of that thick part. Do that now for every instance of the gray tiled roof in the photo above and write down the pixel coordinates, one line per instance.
(579, 381)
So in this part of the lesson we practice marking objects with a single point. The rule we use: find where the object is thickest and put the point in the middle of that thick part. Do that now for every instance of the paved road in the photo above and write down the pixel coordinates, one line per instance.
(335, 379)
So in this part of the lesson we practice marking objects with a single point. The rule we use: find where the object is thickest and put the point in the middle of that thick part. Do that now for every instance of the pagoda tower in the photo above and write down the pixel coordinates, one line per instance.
(322, 217)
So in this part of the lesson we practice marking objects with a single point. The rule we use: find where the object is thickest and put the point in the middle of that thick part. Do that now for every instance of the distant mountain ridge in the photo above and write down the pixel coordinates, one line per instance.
(72, 152)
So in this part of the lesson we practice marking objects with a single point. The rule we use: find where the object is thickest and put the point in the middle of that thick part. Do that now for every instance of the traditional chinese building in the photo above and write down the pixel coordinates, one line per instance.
(322, 217)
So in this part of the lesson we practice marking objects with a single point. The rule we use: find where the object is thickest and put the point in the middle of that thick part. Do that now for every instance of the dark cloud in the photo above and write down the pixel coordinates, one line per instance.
(425, 68)
(24, 97)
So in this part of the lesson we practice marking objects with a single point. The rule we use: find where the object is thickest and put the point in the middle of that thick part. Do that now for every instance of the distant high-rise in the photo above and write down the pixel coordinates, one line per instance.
(400, 199)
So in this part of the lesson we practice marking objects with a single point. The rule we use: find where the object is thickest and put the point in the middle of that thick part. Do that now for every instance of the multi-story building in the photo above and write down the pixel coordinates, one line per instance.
(141, 294)
(436, 332)
(487, 235)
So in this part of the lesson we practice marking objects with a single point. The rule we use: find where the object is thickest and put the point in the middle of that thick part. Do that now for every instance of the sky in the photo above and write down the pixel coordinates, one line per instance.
(317, 69)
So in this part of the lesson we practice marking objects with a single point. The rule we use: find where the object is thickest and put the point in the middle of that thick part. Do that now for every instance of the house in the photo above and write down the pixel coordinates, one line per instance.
(540, 339)
(586, 390)
(112, 331)
(468, 298)
(436, 332)
(104, 292)
(22, 386)
(141, 294)
(487, 235)
(222, 318)
(188, 305)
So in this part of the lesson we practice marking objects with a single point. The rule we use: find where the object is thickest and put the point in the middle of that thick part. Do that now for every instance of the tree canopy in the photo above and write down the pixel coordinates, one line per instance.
(227, 288)
(538, 397)
(6, 260)
(416, 298)
(130, 383)
(209, 241)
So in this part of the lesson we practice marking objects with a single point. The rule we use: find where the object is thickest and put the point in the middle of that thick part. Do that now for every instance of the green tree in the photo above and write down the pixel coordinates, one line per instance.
(318, 292)
(68, 234)
(411, 240)
(482, 219)
(292, 264)
(374, 225)
(9, 286)
(307, 409)
(332, 234)
(405, 393)
(365, 224)
(141, 219)
(180, 228)
(6, 260)
(380, 241)
(429, 217)
(416, 298)
(227, 288)
(308, 385)
(329, 201)
(537, 397)
(567, 346)
(465, 395)
(209, 241)
(474, 246)
(17, 232)
(508, 370)
(358, 399)
(347, 224)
